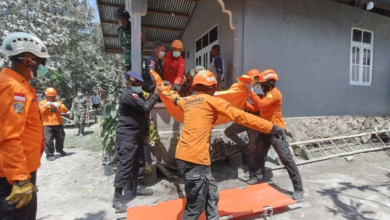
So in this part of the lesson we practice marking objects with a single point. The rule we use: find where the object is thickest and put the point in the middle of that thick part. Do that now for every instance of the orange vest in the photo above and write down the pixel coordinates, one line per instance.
(21, 139)
(270, 106)
(200, 114)
(51, 118)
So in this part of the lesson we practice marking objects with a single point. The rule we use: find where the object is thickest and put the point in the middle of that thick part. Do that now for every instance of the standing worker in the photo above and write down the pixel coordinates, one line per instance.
(270, 107)
(124, 30)
(80, 108)
(192, 151)
(234, 129)
(131, 132)
(217, 65)
(51, 110)
(21, 129)
(174, 65)
(154, 62)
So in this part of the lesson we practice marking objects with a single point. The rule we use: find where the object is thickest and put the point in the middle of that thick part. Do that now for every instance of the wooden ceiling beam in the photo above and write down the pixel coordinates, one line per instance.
(168, 13)
(162, 29)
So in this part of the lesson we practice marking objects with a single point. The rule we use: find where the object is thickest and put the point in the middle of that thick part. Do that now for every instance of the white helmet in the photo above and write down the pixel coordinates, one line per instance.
(19, 42)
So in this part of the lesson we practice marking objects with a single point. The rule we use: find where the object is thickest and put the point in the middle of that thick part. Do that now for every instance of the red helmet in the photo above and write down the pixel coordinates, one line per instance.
(205, 77)
(267, 75)
(50, 92)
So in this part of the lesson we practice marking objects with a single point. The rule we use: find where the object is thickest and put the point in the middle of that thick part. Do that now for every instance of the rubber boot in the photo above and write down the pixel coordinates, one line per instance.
(118, 202)
(81, 130)
(140, 190)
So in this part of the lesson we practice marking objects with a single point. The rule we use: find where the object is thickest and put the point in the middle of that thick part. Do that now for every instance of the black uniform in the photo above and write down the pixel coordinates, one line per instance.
(131, 129)
(153, 63)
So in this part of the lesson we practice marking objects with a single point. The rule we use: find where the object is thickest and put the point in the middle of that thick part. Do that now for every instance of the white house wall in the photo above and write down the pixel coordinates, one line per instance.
(206, 15)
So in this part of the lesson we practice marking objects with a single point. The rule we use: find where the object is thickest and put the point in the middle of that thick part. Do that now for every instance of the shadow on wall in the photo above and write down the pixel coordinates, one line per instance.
(350, 205)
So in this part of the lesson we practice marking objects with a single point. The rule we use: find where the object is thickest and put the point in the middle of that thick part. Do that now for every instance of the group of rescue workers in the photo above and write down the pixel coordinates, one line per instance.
(23, 121)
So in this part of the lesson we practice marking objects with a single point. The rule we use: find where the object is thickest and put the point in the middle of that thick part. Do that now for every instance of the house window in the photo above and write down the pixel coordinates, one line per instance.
(361, 57)
(203, 47)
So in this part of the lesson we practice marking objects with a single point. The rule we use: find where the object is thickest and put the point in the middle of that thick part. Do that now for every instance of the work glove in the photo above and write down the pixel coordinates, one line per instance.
(56, 104)
(47, 104)
(248, 86)
(278, 132)
(176, 87)
(21, 195)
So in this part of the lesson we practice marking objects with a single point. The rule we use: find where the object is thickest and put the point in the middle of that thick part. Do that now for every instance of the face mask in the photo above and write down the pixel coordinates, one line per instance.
(176, 54)
(79, 94)
(37, 68)
(161, 55)
(137, 89)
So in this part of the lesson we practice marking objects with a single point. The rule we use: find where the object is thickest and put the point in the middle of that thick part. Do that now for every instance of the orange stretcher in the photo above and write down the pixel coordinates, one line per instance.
(233, 203)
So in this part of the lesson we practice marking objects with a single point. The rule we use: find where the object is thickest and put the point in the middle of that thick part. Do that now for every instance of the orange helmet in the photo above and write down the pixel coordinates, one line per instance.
(177, 44)
(205, 77)
(253, 73)
(50, 92)
(267, 75)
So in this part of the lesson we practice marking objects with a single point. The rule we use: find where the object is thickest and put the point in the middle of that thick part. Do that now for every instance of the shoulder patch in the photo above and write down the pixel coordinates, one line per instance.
(19, 97)
(269, 95)
(18, 107)
(135, 95)
(151, 67)
(151, 62)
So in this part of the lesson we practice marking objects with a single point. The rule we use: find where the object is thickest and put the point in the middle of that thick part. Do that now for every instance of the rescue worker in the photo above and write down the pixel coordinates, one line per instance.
(124, 31)
(80, 108)
(217, 65)
(234, 129)
(174, 65)
(21, 129)
(270, 107)
(154, 62)
(51, 110)
(192, 151)
(131, 132)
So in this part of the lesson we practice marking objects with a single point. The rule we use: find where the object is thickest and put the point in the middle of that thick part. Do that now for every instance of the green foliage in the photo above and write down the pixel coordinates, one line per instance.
(109, 122)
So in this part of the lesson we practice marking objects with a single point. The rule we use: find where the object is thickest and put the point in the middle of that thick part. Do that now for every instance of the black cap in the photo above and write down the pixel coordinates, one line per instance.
(80, 89)
(158, 43)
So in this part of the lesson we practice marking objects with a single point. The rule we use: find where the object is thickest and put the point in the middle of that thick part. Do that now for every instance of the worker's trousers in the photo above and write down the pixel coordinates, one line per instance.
(131, 159)
(232, 132)
(201, 191)
(9, 212)
(281, 147)
(57, 133)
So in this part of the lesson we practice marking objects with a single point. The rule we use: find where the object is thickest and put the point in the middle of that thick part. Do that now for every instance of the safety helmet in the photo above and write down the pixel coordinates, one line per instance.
(204, 77)
(253, 73)
(177, 44)
(19, 42)
(268, 74)
(50, 92)
(121, 13)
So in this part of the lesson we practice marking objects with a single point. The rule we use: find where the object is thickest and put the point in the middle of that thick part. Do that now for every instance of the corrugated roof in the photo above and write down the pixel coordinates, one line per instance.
(165, 20)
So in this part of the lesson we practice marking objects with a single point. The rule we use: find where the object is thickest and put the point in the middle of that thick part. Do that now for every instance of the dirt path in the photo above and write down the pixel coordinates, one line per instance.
(74, 187)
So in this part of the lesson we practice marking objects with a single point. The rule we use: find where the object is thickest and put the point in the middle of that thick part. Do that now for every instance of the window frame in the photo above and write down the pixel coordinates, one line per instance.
(362, 46)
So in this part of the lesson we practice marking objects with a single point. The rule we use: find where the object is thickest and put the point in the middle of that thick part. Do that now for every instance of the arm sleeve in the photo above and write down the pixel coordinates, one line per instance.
(180, 71)
(63, 108)
(259, 103)
(12, 157)
(249, 107)
(219, 65)
(134, 101)
(240, 117)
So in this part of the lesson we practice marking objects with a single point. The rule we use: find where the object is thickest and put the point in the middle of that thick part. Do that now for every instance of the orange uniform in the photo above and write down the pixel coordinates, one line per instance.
(21, 139)
(174, 68)
(200, 114)
(49, 117)
(270, 106)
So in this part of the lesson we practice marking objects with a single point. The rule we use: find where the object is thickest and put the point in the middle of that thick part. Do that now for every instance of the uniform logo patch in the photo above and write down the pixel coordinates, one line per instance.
(151, 67)
(134, 95)
(18, 107)
(269, 95)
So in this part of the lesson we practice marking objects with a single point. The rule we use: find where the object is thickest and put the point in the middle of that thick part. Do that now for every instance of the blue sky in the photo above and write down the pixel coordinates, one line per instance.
(93, 4)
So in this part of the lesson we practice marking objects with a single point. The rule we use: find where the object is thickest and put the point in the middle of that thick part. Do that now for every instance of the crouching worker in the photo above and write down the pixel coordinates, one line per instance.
(270, 106)
(192, 151)
(131, 130)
